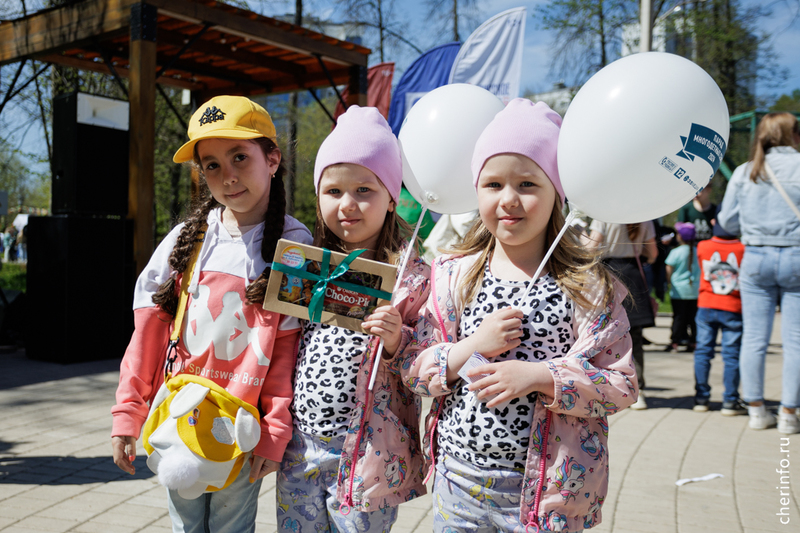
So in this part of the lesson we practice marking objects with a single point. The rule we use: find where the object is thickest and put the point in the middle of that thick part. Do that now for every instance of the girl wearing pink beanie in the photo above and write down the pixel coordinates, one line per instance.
(355, 454)
(523, 381)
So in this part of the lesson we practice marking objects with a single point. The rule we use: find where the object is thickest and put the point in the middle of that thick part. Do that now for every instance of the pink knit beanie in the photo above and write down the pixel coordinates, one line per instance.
(522, 128)
(363, 137)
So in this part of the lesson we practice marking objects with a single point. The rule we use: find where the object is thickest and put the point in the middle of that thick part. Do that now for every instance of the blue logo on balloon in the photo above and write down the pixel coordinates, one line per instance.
(704, 143)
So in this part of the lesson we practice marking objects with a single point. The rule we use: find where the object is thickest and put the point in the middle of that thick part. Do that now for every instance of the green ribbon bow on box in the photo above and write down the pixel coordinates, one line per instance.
(324, 278)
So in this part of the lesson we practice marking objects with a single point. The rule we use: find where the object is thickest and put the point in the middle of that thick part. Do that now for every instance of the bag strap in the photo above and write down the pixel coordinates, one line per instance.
(774, 179)
(183, 299)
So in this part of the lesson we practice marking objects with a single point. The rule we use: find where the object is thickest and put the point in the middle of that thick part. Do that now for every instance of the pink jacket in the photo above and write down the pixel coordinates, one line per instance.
(568, 444)
(384, 427)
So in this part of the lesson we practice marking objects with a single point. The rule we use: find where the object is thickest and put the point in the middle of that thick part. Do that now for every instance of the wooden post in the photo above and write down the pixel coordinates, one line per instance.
(142, 96)
(357, 86)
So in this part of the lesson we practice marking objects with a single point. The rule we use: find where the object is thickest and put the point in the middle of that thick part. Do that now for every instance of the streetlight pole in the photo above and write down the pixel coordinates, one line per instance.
(646, 25)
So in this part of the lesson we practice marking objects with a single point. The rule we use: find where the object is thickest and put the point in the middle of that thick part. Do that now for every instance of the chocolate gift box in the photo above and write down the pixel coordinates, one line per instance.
(324, 286)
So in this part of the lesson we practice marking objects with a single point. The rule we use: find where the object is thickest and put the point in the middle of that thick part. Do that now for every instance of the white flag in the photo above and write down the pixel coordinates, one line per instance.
(492, 56)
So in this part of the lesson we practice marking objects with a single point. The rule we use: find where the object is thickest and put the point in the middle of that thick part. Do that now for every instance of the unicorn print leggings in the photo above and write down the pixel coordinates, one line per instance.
(468, 498)
(306, 491)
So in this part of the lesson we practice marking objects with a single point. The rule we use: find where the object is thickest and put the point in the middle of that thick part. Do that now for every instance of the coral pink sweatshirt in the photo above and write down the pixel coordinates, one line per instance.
(243, 348)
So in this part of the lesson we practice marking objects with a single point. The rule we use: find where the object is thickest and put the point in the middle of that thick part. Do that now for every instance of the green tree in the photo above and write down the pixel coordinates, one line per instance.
(786, 102)
(313, 126)
(587, 34)
(723, 37)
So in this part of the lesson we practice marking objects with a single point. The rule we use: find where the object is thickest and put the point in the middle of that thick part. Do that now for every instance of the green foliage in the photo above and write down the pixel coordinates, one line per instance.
(172, 181)
(722, 37)
(313, 126)
(789, 103)
(13, 276)
(25, 188)
(588, 34)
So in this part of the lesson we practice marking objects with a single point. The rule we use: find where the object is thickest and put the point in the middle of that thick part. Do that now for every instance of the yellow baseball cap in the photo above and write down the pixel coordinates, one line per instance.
(226, 117)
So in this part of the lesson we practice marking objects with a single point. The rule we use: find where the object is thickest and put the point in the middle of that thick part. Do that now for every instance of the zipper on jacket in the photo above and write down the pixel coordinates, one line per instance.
(432, 433)
(533, 521)
(345, 507)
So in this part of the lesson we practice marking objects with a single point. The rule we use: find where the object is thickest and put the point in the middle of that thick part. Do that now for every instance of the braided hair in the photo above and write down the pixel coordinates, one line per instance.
(167, 294)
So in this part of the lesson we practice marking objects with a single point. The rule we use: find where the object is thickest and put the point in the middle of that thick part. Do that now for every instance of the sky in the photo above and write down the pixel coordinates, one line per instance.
(782, 28)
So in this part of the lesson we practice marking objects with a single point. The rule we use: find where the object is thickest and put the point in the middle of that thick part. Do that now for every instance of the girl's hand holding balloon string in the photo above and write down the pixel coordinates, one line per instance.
(386, 323)
(511, 379)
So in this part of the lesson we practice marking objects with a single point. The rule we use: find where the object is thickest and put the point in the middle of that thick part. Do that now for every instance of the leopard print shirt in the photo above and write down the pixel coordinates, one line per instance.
(325, 378)
(498, 437)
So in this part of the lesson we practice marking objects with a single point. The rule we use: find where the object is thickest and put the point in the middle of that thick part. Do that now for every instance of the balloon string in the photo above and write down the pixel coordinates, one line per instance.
(398, 281)
(573, 214)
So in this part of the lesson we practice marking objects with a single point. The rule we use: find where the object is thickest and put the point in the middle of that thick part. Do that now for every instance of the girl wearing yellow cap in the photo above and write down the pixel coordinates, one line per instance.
(226, 336)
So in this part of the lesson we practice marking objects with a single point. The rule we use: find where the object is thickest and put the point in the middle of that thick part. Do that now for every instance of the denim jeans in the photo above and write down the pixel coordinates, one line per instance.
(231, 510)
(709, 322)
(770, 276)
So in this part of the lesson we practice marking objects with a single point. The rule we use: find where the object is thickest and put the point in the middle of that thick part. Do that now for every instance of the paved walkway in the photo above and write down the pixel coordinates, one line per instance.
(56, 473)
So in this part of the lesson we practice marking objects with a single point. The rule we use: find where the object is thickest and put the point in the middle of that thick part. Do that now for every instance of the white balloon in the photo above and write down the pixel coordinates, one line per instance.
(641, 138)
(437, 139)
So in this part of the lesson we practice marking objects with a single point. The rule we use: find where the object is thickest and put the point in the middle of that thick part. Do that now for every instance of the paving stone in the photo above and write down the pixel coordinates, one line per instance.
(38, 523)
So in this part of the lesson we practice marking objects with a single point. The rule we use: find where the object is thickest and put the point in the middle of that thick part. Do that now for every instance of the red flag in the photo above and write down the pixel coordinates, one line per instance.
(379, 89)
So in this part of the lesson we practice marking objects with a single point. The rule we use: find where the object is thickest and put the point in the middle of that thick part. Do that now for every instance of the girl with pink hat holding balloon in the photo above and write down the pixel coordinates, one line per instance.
(355, 451)
(523, 377)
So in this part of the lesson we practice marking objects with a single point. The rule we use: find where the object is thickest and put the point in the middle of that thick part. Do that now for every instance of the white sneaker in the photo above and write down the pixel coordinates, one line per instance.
(641, 403)
(760, 418)
(788, 423)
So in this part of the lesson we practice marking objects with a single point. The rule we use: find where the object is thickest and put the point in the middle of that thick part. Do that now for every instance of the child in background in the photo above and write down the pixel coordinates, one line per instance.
(226, 333)
(683, 275)
(525, 443)
(719, 307)
(355, 453)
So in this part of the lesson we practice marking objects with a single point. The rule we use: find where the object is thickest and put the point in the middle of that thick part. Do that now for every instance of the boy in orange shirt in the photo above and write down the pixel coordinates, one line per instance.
(719, 308)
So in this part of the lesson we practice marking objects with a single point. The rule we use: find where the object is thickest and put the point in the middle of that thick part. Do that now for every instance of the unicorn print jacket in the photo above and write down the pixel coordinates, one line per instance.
(383, 436)
(241, 347)
(568, 447)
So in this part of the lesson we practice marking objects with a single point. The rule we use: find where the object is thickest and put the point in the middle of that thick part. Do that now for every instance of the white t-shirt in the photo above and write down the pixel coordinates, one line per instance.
(616, 242)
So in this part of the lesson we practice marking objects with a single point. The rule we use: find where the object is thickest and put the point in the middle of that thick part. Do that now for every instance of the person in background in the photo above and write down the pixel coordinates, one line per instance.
(754, 208)
(700, 212)
(719, 308)
(622, 247)
(683, 276)
(22, 245)
(10, 243)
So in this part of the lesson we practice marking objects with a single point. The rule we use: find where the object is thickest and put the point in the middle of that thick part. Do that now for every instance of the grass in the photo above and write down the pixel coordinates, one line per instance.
(664, 306)
(13, 276)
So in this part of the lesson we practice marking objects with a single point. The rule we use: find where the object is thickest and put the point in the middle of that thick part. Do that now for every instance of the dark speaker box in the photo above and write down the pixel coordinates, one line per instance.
(80, 281)
(90, 161)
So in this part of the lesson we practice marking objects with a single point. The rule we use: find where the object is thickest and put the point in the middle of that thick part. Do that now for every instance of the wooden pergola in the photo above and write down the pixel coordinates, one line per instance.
(204, 46)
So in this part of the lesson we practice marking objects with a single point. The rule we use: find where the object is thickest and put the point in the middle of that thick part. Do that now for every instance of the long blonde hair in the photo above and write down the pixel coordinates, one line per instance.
(775, 129)
(572, 265)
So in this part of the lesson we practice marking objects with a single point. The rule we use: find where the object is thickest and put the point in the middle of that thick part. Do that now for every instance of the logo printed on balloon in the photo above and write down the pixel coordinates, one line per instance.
(701, 142)
(635, 146)
(705, 143)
